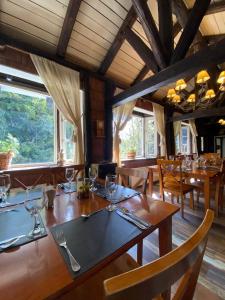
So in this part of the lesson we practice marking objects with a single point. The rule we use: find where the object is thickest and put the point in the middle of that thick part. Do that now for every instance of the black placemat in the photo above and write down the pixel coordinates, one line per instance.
(92, 240)
(15, 223)
(66, 188)
(122, 193)
(19, 196)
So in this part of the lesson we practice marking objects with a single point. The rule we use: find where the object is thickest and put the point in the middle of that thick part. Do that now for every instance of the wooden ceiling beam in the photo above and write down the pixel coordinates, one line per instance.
(210, 39)
(209, 56)
(216, 7)
(150, 30)
(142, 49)
(144, 71)
(69, 21)
(118, 41)
(194, 19)
(166, 27)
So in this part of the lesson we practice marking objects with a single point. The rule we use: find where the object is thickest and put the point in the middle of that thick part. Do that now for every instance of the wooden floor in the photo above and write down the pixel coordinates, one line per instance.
(211, 283)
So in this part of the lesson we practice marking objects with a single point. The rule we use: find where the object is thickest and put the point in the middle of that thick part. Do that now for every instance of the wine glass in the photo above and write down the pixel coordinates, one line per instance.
(4, 187)
(69, 176)
(33, 206)
(111, 188)
(92, 176)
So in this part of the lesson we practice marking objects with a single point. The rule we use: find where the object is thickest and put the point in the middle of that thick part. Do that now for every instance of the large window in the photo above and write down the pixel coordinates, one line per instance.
(139, 135)
(184, 140)
(30, 125)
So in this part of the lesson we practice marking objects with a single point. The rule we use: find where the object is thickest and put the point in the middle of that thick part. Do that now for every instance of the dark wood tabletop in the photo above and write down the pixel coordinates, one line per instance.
(38, 271)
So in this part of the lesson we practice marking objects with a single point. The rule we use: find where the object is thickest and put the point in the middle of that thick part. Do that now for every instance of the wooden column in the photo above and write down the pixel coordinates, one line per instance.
(109, 92)
(170, 141)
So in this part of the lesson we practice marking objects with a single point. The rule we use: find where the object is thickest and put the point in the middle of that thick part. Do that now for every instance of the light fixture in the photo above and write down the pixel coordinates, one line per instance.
(191, 98)
(221, 122)
(202, 77)
(180, 85)
(210, 94)
(171, 93)
(221, 78)
(176, 99)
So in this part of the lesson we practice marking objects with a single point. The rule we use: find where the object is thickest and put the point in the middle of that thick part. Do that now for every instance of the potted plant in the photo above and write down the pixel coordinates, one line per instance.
(8, 148)
(131, 153)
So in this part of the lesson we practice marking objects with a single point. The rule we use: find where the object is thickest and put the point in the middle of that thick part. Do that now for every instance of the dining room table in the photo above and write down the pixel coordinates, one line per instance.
(206, 175)
(38, 270)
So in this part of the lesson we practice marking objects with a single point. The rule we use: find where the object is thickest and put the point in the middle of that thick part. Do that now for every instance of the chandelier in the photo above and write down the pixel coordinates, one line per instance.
(202, 97)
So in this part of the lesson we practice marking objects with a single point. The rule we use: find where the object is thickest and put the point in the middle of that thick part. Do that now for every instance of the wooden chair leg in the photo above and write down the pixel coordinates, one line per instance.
(163, 196)
(198, 196)
(172, 196)
(182, 205)
(192, 200)
(178, 199)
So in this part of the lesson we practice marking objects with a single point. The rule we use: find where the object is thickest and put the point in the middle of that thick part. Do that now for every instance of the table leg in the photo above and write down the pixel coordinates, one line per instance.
(207, 193)
(150, 182)
(140, 252)
(165, 245)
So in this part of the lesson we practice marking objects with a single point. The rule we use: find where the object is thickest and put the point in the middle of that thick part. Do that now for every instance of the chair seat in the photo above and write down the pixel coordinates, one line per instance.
(93, 287)
(175, 188)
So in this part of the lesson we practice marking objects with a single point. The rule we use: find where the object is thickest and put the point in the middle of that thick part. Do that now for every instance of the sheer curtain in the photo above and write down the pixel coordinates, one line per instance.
(194, 134)
(160, 125)
(121, 115)
(63, 84)
(176, 129)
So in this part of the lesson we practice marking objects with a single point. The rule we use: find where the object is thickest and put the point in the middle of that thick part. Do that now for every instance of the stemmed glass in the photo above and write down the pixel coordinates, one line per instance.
(69, 176)
(92, 176)
(111, 188)
(33, 206)
(4, 187)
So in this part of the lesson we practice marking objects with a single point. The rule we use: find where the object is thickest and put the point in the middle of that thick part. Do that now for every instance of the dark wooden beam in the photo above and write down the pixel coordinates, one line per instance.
(211, 39)
(150, 30)
(166, 27)
(209, 56)
(69, 21)
(216, 7)
(144, 71)
(117, 43)
(142, 49)
(213, 112)
(194, 19)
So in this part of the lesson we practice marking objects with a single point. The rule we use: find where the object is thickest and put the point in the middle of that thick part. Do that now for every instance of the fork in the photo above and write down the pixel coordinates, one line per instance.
(61, 240)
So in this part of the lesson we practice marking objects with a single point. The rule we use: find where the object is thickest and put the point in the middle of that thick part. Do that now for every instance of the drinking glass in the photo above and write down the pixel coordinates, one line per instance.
(111, 188)
(33, 206)
(69, 176)
(92, 175)
(4, 187)
(188, 163)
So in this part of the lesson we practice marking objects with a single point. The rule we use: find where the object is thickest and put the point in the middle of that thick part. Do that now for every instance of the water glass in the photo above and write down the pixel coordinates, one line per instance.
(92, 175)
(70, 173)
(5, 184)
(111, 186)
(33, 206)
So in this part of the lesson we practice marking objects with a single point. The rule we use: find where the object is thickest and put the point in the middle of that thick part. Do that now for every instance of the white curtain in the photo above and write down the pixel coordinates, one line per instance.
(176, 128)
(63, 84)
(121, 115)
(194, 134)
(160, 125)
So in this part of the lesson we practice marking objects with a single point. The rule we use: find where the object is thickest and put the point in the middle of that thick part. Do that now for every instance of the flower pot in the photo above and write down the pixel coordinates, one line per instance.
(131, 154)
(5, 160)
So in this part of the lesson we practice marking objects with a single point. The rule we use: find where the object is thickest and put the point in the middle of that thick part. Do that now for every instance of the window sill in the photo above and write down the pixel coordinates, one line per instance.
(18, 168)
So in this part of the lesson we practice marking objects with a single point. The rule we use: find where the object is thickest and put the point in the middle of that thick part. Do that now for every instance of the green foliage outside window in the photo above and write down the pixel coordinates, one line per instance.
(29, 122)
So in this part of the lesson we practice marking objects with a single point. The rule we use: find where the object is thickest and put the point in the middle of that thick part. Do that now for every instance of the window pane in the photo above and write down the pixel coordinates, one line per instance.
(150, 138)
(132, 137)
(184, 139)
(68, 145)
(27, 124)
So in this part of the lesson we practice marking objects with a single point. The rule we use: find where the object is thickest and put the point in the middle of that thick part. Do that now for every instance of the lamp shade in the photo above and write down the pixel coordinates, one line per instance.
(221, 121)
(210, 94)
(180, 85)
(221, 78)
(171, 93)
(191, 98)
(176, 99)
(202, 77)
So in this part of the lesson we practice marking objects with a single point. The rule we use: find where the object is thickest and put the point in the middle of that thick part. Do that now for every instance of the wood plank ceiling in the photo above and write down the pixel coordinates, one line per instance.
(97, 24)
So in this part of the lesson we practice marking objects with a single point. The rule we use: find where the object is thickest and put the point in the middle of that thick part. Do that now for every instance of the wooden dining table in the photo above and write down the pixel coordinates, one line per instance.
(37, 270)
(205, 175)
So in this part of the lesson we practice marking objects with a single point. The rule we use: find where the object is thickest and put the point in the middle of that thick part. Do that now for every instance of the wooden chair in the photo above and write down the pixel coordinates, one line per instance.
(139, 174)
(151, 280)
(171, 180)
(209, 156)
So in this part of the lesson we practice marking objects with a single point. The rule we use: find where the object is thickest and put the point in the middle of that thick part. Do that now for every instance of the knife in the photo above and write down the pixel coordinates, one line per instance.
(7, 210)
(138, 224)
(131, 215)
(11, 240)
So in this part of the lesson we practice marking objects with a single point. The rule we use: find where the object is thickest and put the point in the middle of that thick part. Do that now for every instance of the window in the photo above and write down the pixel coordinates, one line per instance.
(28, 124)
(139, 135)
(184, 140)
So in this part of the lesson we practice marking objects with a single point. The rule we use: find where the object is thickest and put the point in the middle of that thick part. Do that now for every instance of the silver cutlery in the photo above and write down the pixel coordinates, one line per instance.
(9, 242)
(125, 216)
(86, 216)
(61, 240)
(7, 210)
(132, 215)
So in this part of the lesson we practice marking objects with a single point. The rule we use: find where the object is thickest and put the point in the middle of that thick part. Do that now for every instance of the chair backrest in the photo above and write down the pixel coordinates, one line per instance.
(155, 278)
(210, 156)
(170, 172)
(127, 174)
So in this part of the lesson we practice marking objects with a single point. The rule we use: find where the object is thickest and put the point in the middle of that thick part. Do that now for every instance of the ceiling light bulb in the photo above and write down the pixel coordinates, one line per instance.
(180, 85)
(176, 99)
(221, 78)
(171, 93)
(191, 98)
(202, 77)
(210, 94)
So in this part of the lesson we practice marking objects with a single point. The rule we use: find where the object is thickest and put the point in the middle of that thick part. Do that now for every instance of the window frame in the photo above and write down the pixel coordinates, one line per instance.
(189, 140)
